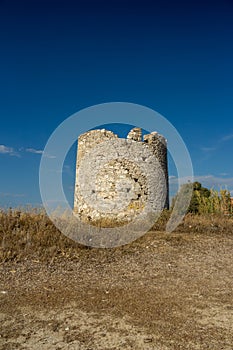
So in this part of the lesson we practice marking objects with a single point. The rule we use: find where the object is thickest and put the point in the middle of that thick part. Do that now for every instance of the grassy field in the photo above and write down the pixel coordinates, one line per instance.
(163, 291)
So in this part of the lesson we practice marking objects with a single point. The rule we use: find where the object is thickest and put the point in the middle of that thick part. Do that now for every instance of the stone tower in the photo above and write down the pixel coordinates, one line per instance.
(111, 187)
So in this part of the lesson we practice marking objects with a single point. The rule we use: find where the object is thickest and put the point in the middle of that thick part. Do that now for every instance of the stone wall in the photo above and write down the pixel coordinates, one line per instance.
(116, 179)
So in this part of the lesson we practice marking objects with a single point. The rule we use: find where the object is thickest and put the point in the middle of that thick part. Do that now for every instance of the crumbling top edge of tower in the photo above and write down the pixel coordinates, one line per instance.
(135, 134)
(99, 132)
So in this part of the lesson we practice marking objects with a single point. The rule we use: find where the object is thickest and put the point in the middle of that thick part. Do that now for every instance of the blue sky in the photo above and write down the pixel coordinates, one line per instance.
(58, 57)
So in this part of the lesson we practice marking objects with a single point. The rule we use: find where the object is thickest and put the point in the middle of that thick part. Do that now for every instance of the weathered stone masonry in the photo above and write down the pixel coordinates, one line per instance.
(120, 189)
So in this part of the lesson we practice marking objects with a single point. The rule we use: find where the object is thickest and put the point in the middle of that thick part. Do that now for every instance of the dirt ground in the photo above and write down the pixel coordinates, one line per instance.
(168, 291)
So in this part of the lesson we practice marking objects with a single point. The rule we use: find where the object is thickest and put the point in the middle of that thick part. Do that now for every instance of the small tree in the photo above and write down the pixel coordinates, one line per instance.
(198, 192)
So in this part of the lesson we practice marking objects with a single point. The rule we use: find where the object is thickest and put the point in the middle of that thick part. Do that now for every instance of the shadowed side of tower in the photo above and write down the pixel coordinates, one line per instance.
(159, 146)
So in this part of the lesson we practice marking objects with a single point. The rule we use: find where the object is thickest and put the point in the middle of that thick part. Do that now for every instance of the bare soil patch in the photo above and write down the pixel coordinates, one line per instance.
(162, 292)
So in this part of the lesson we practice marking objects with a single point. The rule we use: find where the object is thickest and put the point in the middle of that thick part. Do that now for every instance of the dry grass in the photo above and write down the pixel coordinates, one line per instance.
(31, 234)
(28, 234)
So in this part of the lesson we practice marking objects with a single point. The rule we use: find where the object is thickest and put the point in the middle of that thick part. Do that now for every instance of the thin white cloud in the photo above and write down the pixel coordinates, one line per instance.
(218, 143)
(33, 150)
(38, 151)
(14, 195)
(173, 180)
(226, 138)
(8, 150)
(11, 152)
(5, 149)
(208, 149)
(209, 181)
(212, 181)
(50, 156)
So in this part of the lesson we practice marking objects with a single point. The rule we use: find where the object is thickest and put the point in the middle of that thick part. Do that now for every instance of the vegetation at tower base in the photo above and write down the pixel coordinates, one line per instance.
(207, 201)
(199, 192)
(28, 233)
